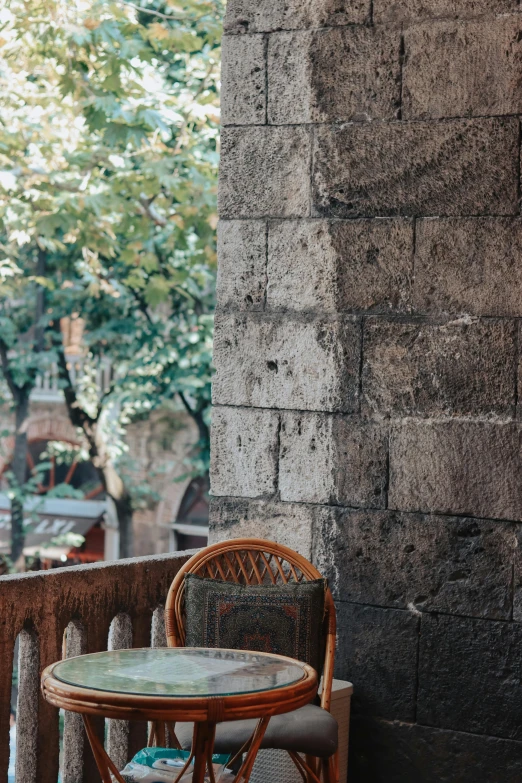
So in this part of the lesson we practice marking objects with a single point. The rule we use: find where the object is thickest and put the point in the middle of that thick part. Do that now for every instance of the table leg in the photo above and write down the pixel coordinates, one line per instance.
(255, 743)
(202, 748)
(103, 761)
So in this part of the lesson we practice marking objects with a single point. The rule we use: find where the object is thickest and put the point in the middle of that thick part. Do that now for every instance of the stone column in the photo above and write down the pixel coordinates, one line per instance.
(370, 290)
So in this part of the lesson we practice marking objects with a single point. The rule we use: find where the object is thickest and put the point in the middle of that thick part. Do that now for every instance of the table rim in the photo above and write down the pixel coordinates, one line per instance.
(114, 704)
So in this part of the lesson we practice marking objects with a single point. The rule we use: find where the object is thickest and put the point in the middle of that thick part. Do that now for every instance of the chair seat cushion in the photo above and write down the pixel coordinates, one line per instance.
(309, 729)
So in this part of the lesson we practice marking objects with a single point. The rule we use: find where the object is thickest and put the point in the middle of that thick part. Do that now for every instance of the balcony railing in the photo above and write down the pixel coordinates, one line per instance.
(47, 387)
(70, 611)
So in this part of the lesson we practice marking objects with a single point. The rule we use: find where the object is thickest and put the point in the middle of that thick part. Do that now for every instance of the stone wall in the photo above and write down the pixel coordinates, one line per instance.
(367, 353)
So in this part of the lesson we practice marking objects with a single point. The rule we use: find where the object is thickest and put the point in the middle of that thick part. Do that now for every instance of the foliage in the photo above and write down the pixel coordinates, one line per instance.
(108, 161)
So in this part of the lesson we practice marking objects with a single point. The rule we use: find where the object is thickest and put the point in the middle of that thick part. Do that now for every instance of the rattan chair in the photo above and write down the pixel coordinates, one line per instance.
(311, 730)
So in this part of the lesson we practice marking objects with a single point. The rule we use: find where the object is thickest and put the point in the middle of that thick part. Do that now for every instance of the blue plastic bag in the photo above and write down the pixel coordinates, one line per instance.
(163, 765)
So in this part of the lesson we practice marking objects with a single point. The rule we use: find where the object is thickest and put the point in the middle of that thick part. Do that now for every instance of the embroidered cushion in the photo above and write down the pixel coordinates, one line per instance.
(283, 619)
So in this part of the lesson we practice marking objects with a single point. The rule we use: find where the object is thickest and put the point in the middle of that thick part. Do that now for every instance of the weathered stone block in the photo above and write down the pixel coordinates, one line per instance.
(264, 172)
(469, 266)
(289, 524)
(243, 73)
(377, 650)
(384, 751)
(244, 452)
(329, 266)
(256, 16)
(469, 675)
(454, 565)
(461, 467)
(463, 69)
(398, 11)
(332, 459)
(517, 576)
(308, 364)
(462, 367)
(464, 167)
(241, 278)
(344, 73)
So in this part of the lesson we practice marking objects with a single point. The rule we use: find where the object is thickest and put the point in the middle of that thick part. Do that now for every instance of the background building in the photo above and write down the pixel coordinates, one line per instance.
(158, 448)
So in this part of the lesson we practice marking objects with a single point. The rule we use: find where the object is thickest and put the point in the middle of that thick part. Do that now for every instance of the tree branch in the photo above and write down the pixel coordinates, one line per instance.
(78, 417)
(148, 210)
(6, 370)
(158, 13)
(142, 306)
(197, 416)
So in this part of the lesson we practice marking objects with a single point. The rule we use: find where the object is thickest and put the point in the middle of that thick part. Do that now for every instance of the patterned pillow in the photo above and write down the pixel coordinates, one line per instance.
(284, 619)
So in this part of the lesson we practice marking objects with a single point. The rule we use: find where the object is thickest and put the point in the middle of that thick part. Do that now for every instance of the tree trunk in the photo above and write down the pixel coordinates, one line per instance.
(18, 468)
(115, 488)
(110, 479)
(123, 507)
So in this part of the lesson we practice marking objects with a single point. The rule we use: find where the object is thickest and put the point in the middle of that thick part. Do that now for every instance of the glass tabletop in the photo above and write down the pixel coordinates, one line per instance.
(179, 672)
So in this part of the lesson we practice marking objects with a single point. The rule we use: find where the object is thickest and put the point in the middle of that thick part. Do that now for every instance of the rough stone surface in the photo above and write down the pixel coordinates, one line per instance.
(290, 524)
(244, 457)
(377, 650)
(457, 467)
(332, 460)
(517, 577)
(469, 266)
(267, 362)
(243, 75)
(369, 301)
(329, 266)
(264, 171)
(397, 11)
(456, 167)
(461, 69)
(461, 367)
(469, 675)
(27, 706)
(256, 16)
(242, 264)
(455, 565)
(344, 73)
(395, 752)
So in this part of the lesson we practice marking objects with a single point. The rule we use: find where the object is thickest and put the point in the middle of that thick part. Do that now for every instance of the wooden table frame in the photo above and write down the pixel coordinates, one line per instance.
(204, 711)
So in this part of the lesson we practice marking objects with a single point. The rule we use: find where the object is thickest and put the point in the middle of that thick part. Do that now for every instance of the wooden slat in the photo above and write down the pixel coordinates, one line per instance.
(242, 566)
(220, 569)
(281, 570)
(268, 570)
(254, 567)
(231, 568)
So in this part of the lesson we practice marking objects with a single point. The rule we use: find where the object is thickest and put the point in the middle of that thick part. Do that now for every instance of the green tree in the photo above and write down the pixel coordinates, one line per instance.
(108, 165)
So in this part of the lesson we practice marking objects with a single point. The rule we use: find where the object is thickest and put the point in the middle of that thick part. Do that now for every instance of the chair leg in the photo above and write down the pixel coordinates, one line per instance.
(312, 763)
(330, 769)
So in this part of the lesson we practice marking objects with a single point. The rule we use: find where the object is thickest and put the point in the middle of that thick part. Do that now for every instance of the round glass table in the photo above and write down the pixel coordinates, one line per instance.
(165, 685)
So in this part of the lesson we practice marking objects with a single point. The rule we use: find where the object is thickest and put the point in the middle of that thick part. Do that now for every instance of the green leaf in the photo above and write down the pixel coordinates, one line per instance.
(157, 291)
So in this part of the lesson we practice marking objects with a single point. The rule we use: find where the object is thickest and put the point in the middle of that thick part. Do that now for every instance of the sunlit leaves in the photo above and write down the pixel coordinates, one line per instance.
(108, 161)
